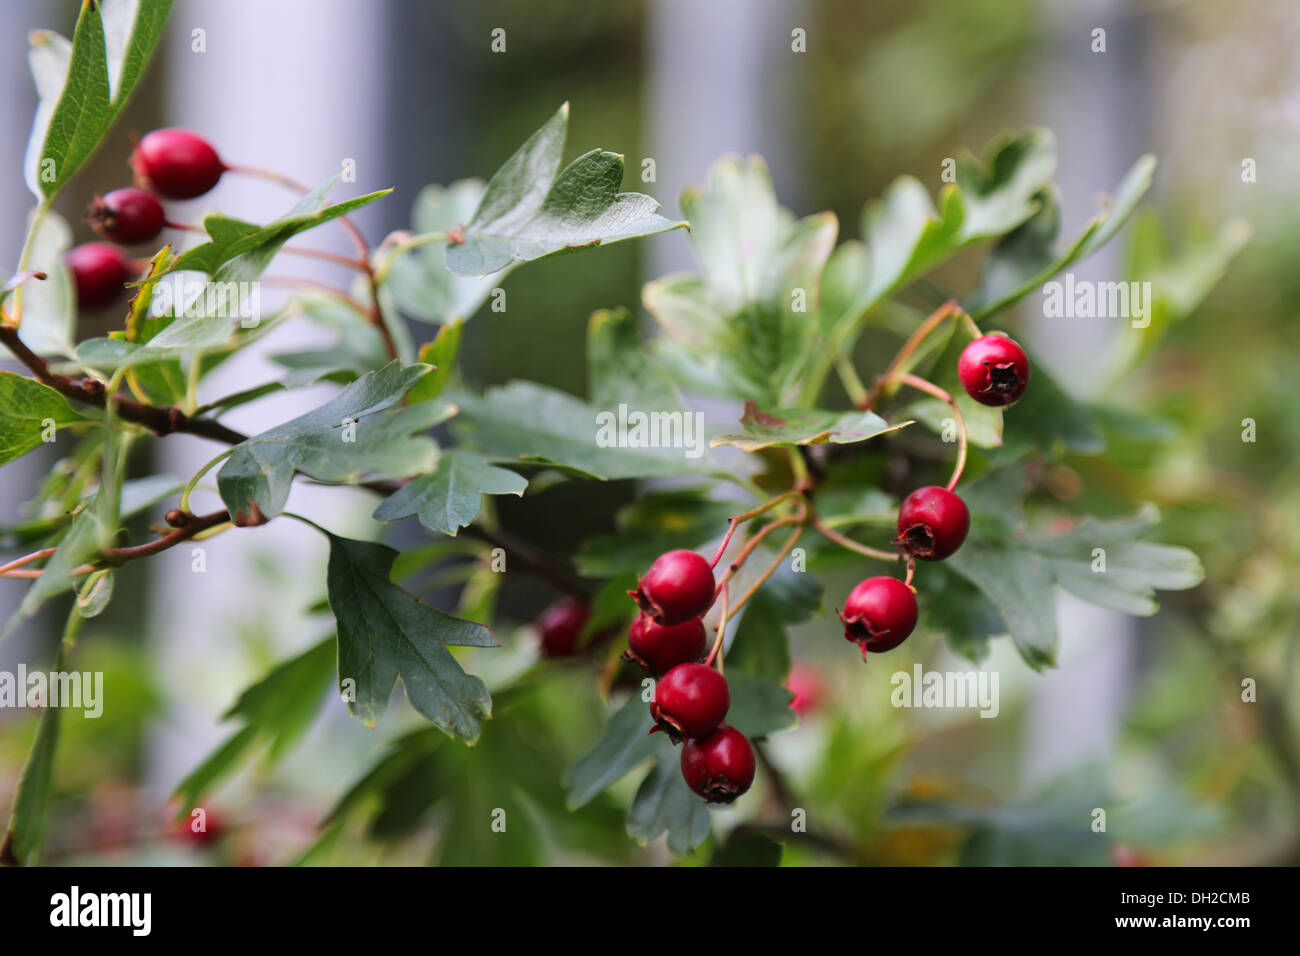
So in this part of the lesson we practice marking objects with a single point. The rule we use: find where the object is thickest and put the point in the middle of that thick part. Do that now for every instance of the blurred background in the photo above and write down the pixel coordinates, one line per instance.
(1148, 711)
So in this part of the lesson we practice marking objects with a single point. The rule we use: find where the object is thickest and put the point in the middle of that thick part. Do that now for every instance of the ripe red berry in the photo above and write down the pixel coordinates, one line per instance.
(678, 587)
(691, 700)
(808, 687)
(994, 370)
(720, 767)
(176, 163)
(659, 648)
(100, 272)
(879, 614)
(560, 626)
(932, 523)
(127, 215)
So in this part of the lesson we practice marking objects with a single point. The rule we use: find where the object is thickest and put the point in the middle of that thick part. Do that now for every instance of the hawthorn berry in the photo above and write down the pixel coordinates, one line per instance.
(932, 523)
(808, 687)
(719, 767)
(100, 272)
(661, 647)
(560, 626)
(127, 215)
(176, 164)
(691, 700)
(879, 614)
(678, 587)
(994, 370)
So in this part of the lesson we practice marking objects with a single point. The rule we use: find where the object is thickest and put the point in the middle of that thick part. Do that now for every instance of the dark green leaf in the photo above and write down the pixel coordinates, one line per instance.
(664, 804)
(759, 707)
(386, 632)
(450, 498)
(343, 440)
(618, 369)
(625, 744)
(761, 645)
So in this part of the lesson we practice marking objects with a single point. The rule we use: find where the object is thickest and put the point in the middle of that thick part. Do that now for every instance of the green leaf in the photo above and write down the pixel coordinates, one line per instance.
(386, 632)
(761, 645)
(1017, 570)
(625, 744)
(29, 816)
(83, 86)
(276, 710)
(618, 369)
(25, 406)
(1024, 259)
(664, 804)
(789, 427)
(759, 707)
(422, 285)
(529, 212)
(343, 440)
(450, 498)
(651, 525)
(747, 327)
(95, 593)
(526, 422)
(231, 238)
(441, 354)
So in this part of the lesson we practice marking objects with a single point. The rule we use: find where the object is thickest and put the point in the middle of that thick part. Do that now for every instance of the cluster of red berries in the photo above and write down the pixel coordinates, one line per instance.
(668, 638)
(881, 612)
(171, 163)
(691, 699)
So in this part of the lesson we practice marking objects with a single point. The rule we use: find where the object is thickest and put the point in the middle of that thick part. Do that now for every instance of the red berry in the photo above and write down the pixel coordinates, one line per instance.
(691, 700)
(100, 271)
(932, 523)
(808, 687)
(719, 767)
(678, 587)
(560, 626)
(127, 215)
(659, 648)
(879, 614)
(176, 163)
(994, 370)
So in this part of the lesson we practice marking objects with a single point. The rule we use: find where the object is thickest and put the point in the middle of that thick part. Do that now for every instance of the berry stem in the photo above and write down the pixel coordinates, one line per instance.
(740, 519)
(363, 248)
(296, 282)
(923, 331)
(752, 544)
(911, 571)
(724, 616)
(915, 381)
(845, 542)
(771, 568)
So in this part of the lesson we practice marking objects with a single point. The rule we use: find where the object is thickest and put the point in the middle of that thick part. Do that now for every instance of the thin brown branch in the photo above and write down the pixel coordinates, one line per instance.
(159, 419)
